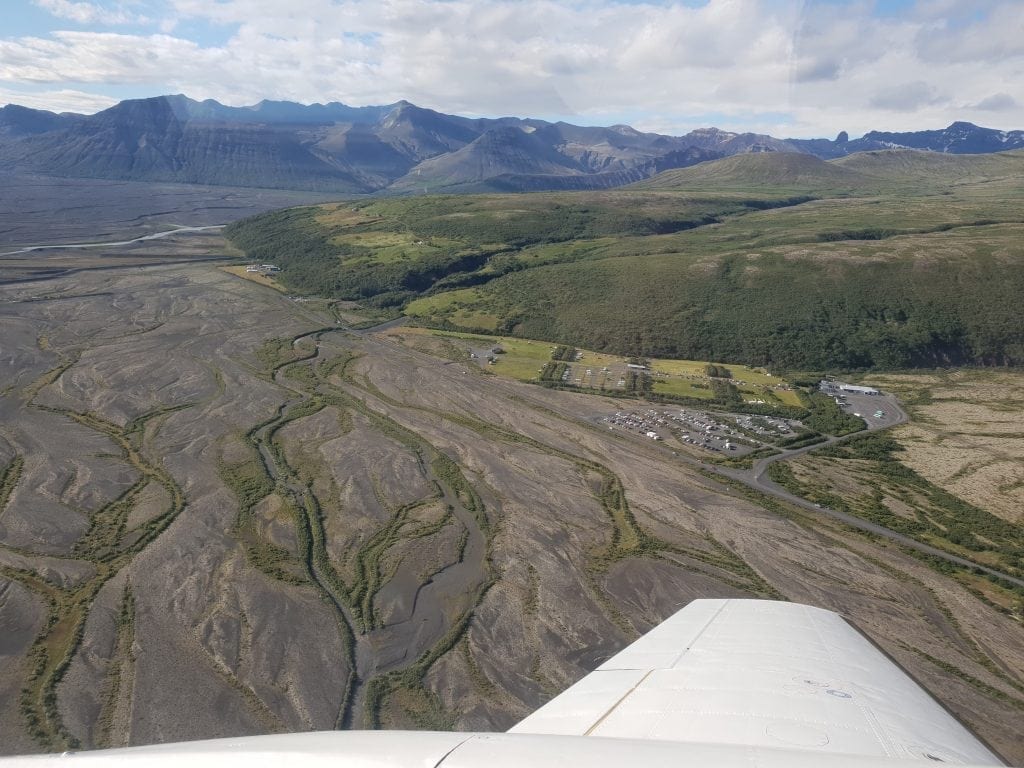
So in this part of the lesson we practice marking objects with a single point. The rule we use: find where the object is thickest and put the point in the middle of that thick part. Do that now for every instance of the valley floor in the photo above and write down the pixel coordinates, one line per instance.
(222, 512)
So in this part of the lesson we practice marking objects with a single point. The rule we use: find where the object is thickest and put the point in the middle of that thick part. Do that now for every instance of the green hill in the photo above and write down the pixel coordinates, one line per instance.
(389, 250)
(762, 171)
(908, 166)
(927, 300)
(764, 259)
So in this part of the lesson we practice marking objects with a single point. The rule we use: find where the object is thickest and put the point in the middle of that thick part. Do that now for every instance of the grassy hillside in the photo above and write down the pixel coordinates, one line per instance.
(882, 260)
(390, 250)
(841, 307)
(943, 171)
(765, 170)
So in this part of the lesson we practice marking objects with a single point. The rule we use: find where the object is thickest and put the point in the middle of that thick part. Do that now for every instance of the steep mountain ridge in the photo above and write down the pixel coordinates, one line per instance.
(147, 139)
(396, 148)
(959, 138)
(496, 152)
(423, 133)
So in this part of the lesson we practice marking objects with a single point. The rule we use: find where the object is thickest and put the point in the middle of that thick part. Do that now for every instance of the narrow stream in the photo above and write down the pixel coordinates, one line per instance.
(400, 643)
(154, 236)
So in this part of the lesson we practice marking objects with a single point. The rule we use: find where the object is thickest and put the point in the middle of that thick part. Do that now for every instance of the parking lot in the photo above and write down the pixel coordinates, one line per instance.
(876, 408)
(729, 434)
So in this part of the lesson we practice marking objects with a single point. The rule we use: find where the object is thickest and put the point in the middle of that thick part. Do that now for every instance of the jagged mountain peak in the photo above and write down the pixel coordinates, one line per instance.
(625, 130)
(511, 133)
(406, 110)
(713, 132)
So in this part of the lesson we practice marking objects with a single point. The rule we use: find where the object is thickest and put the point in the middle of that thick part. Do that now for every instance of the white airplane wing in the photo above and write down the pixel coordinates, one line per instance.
(760, 674)
(721, 684)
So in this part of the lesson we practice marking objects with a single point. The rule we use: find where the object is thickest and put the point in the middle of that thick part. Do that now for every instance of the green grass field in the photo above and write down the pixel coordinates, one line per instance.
(688, 379)
(524, 359)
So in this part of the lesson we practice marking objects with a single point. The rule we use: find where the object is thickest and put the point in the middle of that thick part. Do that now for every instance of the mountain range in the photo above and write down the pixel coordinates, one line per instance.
(396, 148)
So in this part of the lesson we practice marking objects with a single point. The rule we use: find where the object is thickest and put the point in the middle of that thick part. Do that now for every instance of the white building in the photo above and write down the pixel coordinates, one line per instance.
(858, 390)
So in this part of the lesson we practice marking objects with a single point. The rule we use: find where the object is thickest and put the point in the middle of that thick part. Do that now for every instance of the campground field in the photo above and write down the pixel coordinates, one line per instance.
(524, 360)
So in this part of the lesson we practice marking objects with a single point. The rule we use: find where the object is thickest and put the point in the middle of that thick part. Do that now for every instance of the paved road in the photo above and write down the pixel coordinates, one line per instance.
(398, 321)
(766, 485)
(892, 406)
(757, 478)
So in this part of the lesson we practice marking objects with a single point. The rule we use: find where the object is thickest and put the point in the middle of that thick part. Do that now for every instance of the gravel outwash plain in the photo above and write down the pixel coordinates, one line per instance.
(221, 513)
(37, 210)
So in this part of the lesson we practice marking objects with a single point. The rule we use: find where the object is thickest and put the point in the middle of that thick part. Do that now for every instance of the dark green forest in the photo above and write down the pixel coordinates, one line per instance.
(795, 315)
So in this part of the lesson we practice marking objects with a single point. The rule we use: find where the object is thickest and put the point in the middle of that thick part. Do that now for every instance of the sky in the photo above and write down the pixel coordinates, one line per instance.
(790, 68)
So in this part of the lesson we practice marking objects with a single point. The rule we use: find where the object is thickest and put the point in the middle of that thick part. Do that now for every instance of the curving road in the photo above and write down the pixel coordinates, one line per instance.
(757, 478)
(899, 416)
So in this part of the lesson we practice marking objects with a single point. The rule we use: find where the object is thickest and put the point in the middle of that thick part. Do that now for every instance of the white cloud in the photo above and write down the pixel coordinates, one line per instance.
(90, 13)
(104, 58)
(907, 97)
(997, 102)
(65, 100)
(810, 67)
(999, 35)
